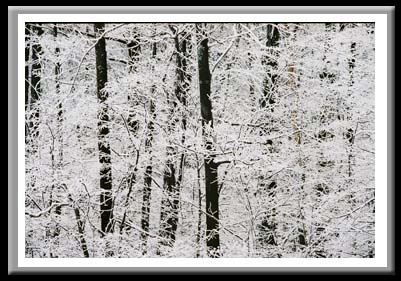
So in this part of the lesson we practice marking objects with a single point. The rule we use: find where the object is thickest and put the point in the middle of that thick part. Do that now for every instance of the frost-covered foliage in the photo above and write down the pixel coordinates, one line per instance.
(293, 135)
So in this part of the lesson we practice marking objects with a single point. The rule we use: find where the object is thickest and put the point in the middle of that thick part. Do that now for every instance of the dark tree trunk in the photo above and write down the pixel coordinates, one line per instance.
(134, 49)
(169, 206)
(132, 122)
(148, 171)
(268, 225)
(184, 80)
(60, 114)
(35, 86)
(172, 183)
(350, 134)
(27, 77)
(272, 40)
(81, 229)
(81, 232)
(211, 175)
(106, 199)
(199, 225)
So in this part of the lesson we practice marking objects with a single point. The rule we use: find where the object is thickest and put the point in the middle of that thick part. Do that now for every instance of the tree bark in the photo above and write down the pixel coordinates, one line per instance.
(132, 122)
(145, 219)
(81, 233)
(35, 87)
(134, 49)
(60, 117)
(268, 225)
(173, 175)
(211, 174)
(350, 134)
(297, 126)
(106, 199)
(269, 82)
(27, 77)
(184, 80)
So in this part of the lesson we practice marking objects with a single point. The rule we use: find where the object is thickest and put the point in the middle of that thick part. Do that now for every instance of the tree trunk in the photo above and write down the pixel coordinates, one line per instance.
(81, 232)
(211, 174)
(132, 122)
(269, 82)
(36, 89)
(268, 225)
(183, 79)
(27, 77)
(81, 229)
(172, 183)
(106, 199)
(134, 49)
(169, 206)
(199, 225)
(60, 114)
(298, 138)
(149, 169)
(350, 134)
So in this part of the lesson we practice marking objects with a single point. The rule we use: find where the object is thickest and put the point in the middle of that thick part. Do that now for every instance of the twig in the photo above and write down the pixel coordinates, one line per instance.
(55, 205)
(354, 210)
(88, 50)
(225, 52)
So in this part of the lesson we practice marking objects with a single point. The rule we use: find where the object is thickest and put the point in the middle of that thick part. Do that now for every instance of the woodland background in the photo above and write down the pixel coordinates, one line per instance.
(199, 140)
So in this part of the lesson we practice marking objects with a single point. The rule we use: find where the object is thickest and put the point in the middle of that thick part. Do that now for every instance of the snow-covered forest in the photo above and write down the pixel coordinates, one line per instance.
(199, 140)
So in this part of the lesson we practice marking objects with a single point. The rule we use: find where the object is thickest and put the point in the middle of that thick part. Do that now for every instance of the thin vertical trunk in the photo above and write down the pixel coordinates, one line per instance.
(134, 49)
(267, 227)
(35, 89)
(82, 240)
(327, 78)
(269, 82)
(199, 226)
(81, 229)
(60, 114)
(350, 134)
(296, 125)
(184, 80)
(54, 164)
(170, 203)
(211, 174)
(145, 219)
(173, 175)
(106, 199)
(27, 77)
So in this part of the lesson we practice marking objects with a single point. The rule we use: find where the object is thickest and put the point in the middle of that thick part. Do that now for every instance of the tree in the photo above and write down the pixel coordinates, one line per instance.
(173, 175)
(145, 218)
(27, 84)
(211, 173)
(269, 152)
(132, 122)
(268, 225)
(35, 83)
(106, 199)
(57, 71)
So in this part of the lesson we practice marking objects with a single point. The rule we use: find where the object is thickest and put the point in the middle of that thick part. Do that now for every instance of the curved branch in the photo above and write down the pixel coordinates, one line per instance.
(88, 50)
(55, 205)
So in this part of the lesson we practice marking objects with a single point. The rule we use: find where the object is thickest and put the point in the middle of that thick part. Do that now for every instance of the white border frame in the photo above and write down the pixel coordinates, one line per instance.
(380, 259)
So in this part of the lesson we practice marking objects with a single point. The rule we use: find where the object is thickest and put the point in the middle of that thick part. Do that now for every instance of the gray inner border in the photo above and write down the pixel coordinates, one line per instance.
(13, 12)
